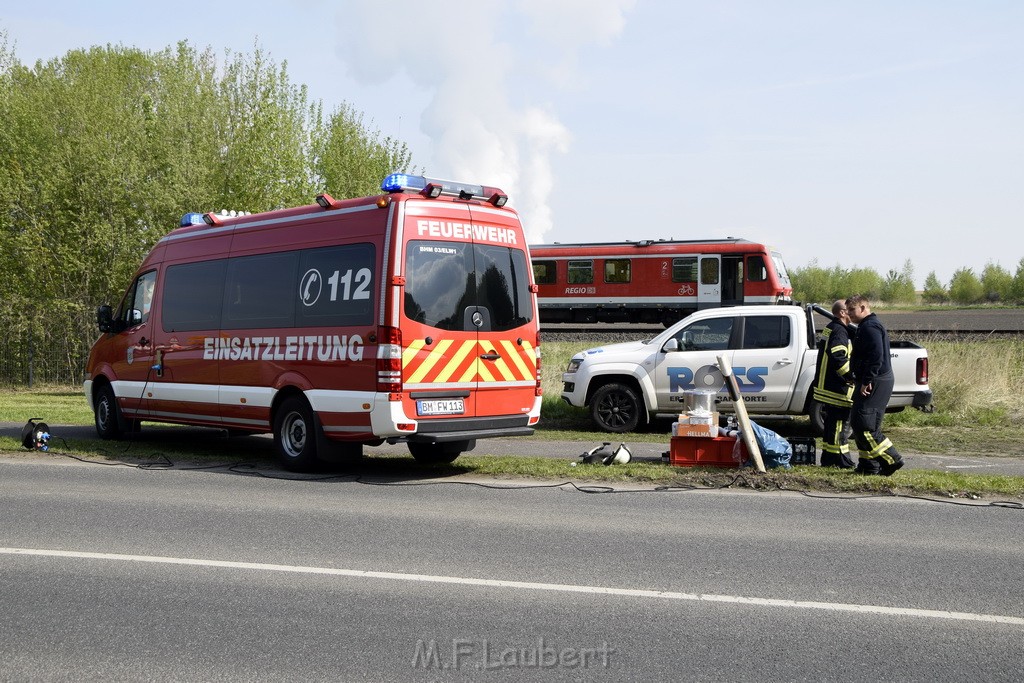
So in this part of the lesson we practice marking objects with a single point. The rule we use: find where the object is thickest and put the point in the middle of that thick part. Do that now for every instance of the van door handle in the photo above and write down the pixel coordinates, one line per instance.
(143, 341)
(491, 356)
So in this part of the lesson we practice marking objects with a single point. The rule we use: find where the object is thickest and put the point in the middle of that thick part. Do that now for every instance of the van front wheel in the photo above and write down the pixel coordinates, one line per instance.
(108, 417)
(295, 435)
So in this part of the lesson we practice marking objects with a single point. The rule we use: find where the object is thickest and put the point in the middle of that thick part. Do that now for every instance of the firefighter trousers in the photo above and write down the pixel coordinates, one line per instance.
(876, 451)
(835, 451)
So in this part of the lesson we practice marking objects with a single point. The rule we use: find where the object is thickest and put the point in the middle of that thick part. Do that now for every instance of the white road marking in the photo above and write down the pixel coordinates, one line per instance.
(528, 585)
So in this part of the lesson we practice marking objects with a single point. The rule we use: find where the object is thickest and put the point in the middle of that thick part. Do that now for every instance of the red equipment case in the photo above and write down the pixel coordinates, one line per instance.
(691, 451)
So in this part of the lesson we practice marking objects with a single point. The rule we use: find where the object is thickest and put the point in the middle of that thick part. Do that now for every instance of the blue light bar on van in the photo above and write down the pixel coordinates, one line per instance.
(191, 219)
(431, 187)
(399, 182)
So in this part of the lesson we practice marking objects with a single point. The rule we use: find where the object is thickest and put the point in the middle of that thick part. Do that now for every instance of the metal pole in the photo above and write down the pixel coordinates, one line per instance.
(31, 358)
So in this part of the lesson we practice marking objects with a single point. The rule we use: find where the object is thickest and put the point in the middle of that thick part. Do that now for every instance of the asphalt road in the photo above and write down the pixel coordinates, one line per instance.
(119, 573)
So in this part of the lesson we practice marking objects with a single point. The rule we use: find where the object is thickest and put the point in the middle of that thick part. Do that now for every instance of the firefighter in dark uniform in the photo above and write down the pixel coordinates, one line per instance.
(872, 369)
(833, 389)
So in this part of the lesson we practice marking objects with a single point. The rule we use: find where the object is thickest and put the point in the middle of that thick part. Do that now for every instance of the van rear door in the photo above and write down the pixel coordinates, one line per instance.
(468, 322)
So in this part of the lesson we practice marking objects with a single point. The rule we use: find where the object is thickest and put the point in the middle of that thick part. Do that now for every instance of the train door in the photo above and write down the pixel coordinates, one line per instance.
(732, 280)
(709, 284)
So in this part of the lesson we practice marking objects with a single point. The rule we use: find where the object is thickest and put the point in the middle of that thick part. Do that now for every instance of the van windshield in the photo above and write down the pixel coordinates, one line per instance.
(444, 280)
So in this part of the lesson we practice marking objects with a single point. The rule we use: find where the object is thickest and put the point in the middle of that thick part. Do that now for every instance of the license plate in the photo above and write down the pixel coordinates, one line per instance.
(450, 406)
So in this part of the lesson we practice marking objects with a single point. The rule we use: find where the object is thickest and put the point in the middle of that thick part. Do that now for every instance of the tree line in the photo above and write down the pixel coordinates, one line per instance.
(995, 285)
(104, 149)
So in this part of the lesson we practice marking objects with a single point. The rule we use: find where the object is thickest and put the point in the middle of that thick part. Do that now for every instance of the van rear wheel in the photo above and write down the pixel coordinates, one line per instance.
(295, 435)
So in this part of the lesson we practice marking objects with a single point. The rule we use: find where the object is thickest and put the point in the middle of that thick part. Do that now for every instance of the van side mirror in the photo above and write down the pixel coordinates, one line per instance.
(104, 318)
(136, 315)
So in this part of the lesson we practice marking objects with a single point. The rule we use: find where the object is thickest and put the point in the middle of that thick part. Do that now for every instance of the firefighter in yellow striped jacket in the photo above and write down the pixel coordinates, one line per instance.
(833, 388)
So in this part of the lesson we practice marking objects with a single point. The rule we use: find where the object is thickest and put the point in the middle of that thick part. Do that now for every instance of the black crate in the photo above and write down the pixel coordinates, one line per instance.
(804, 450)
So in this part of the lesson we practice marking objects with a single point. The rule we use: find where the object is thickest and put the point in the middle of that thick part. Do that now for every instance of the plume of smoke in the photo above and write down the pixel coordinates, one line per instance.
(488, 67)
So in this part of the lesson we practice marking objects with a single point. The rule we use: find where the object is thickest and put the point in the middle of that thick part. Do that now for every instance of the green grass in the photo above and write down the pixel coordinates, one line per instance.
(979, 409)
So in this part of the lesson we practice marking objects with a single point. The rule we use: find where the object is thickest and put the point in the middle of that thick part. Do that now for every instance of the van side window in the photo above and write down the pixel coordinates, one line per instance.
(347, 284)
(766, 332)
(260, 291)
(192, 296)
(139, 300)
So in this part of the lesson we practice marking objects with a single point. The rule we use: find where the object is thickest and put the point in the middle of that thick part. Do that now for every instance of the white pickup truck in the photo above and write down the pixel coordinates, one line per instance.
(773, 351)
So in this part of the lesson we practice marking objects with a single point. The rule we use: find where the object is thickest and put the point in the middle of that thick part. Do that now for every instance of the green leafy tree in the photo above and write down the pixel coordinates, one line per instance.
(351, 160)
(864, 281)
(1017, 286)
(934, 292)
(996, 282)
(103, 150)
(898, 287)
(965, 287)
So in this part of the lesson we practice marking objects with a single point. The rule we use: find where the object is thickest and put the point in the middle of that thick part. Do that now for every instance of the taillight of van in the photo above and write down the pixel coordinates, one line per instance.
(389, 362)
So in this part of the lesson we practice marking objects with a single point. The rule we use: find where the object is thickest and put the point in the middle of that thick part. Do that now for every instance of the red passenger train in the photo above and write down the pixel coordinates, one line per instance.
(654, 281)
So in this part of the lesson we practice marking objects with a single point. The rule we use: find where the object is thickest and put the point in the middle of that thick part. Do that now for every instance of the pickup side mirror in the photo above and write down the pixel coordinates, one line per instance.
(671, 345)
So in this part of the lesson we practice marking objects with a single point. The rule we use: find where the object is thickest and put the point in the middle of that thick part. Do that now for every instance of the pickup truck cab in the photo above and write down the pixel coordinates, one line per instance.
(773, 351)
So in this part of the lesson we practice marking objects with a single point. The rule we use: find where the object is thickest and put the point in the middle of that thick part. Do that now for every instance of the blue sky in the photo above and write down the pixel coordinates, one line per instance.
(853, 133)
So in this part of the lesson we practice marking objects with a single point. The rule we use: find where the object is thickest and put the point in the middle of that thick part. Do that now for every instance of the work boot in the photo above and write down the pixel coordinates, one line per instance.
(887, 470)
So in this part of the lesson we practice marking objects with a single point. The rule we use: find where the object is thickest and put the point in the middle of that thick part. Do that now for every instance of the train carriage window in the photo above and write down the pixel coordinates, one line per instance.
(684, 269)
(757, 271)
(581, 272)
(617, 270)
(709, 271)
(544, 272)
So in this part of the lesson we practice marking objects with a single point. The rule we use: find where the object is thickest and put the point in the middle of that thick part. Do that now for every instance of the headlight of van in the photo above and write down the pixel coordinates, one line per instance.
(574, 364)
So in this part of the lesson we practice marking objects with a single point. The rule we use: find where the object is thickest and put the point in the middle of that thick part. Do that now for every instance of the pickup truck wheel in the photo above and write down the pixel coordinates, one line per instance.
(616, 408)
(816, 411)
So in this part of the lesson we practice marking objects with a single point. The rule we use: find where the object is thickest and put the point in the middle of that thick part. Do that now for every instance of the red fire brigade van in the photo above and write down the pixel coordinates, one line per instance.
(409, 316)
